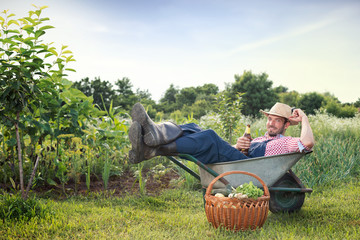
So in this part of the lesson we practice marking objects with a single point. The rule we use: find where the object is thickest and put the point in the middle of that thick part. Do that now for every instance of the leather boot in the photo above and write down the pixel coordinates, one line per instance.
(141, 152)
(154, 134)
(162, 150)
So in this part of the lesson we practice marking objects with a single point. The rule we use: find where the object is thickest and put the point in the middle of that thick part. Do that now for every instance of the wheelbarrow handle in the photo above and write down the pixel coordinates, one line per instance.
(206, 168)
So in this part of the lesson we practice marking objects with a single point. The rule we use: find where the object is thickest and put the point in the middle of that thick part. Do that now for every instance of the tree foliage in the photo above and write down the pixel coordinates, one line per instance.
(281, 89)
(258, 92)
(290, 98)
(167, 103)
(342, 111)
(119, 97)
(30, 72)
(357, 103)
(310, 102)
(186, 96)
(125, 97)
(189, 100)
(101, 91)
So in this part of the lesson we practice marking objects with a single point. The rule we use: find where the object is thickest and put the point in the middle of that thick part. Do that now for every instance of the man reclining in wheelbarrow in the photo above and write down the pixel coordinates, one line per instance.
(149, 140)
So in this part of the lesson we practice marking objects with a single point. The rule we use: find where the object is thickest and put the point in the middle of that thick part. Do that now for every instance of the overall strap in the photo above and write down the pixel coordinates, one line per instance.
(257, 149)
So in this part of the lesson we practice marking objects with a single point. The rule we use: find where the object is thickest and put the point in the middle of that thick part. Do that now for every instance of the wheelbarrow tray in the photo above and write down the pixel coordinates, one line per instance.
(270, 169)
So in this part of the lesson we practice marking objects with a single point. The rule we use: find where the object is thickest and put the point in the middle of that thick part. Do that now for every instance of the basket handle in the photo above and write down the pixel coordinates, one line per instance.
(266, 189)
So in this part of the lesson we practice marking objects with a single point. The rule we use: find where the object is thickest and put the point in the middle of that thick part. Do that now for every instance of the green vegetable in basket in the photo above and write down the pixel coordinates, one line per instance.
(248, 189)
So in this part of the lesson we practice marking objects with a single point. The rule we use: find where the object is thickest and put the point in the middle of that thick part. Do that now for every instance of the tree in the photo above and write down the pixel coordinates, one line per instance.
(257, 91)
(198, 109)
(196, 100)
(169, 96)
(101, 91)
(329, 97)
(342, 111)
(281, 89)
(143, 95)
(357, 103)
(310, 102)
(27, 74)
(185, 99)
(289, 98)
(208, 89)
(168, 101)
(125, 97)
(84, 85)
(122, 97)
(186, 96)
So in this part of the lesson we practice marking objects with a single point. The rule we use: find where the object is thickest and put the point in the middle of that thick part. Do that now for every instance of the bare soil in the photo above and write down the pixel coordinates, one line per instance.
(119, 186)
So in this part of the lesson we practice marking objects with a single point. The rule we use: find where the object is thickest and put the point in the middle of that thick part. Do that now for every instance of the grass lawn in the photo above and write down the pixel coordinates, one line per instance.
(328, 213)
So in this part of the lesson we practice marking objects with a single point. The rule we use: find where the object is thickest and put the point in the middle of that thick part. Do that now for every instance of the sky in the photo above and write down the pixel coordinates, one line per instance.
(306, 46)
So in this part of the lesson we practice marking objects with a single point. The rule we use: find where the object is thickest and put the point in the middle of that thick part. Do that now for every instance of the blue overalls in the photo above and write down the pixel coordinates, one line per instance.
(208, 147)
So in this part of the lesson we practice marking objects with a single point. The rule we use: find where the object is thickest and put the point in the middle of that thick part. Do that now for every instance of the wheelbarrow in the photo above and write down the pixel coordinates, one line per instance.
(287, 192)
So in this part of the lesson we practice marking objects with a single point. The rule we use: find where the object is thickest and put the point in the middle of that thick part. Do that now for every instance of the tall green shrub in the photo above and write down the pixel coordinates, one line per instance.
(29, 72)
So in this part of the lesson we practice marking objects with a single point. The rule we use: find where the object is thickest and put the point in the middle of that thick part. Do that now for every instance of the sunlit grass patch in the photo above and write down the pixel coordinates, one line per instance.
(330, 212)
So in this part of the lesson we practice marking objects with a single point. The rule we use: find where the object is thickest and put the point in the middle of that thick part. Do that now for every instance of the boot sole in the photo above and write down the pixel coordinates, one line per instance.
(138, 114)
(136, 155)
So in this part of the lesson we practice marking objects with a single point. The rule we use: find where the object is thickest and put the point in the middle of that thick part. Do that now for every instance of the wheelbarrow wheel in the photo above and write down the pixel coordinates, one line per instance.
(286, 201)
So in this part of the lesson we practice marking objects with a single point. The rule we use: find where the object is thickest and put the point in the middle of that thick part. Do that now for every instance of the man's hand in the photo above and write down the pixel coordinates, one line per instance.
(242, 143)
(297, 115)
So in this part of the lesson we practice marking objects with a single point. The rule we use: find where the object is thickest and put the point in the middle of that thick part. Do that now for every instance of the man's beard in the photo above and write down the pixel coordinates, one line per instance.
(279, 131)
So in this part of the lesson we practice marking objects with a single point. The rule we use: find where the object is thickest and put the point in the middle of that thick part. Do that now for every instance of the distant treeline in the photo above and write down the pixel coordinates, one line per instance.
(256, 89)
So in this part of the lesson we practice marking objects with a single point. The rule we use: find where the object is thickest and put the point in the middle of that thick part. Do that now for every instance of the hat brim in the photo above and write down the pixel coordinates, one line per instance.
(275, 114)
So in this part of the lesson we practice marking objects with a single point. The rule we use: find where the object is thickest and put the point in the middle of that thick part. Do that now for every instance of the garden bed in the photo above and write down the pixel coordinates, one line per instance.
(119, 186)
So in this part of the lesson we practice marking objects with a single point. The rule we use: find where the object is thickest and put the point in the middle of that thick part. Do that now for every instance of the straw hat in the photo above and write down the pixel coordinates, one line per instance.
(281, 110)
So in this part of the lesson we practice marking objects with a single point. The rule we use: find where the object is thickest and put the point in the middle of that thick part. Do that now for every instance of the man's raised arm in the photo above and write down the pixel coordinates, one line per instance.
(306, 137)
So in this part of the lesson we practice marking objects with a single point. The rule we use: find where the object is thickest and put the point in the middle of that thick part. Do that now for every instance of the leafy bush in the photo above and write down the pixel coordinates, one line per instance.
(336, 109)
(310, 102)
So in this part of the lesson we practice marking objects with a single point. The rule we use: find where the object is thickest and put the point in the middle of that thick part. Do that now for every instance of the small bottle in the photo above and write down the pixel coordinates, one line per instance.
(248, 135)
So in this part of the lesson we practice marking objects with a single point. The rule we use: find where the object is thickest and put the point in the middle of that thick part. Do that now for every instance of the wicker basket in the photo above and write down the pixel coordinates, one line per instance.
(234, 214)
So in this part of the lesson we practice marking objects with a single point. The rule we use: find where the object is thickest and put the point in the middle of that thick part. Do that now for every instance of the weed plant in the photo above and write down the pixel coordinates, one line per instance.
(186, 180)
(14, 207)
(139, 177)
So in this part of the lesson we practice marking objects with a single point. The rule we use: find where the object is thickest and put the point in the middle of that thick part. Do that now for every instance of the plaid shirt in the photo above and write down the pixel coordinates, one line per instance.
(281, 144)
